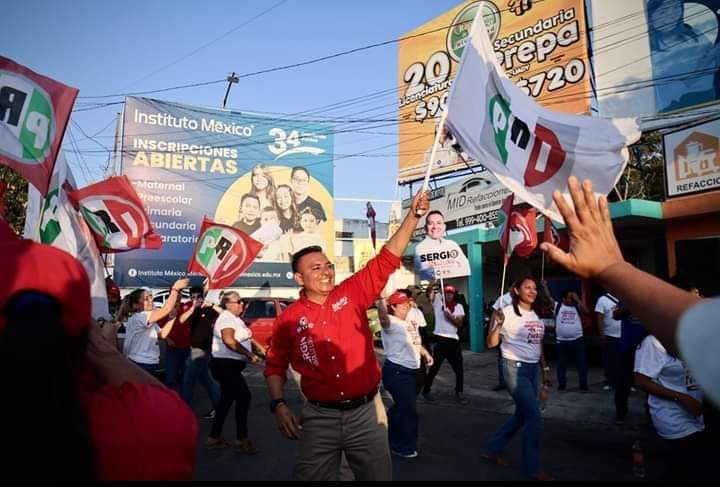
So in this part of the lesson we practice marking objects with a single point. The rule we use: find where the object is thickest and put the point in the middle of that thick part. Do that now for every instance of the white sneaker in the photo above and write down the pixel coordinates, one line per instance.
(405, 455)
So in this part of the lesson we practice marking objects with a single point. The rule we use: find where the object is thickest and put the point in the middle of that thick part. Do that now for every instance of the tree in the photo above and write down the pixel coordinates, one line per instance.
(15, 198)
(643, 177)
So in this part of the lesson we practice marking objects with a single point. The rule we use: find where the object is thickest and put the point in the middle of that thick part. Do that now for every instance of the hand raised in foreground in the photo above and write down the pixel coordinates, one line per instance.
(593, 246)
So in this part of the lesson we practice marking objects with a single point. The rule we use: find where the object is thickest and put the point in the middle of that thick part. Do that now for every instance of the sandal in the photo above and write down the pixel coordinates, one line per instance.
(214, 443)
(494, 459)
(246, 447)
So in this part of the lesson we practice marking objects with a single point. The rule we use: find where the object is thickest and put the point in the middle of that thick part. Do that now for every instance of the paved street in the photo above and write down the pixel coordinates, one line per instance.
(579, 442)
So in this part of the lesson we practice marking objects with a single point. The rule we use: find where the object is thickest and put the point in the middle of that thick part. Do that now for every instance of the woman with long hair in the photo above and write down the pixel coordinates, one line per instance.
(262, 185)
(287, 211)
(522, 335)
(231, 351)
(102, 417)
(141, 329)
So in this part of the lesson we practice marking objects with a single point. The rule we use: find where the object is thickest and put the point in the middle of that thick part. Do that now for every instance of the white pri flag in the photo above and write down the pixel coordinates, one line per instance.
(52, 220)
(530, 149)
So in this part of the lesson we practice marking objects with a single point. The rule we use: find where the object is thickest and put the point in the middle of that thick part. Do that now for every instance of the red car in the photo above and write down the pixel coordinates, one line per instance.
(260, 314)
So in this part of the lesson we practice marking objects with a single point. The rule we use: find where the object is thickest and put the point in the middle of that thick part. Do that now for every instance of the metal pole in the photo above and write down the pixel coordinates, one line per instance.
(230, 79)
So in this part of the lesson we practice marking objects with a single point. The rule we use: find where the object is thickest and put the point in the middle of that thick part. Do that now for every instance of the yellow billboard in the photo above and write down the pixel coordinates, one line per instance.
(363, 251)
(543, 50)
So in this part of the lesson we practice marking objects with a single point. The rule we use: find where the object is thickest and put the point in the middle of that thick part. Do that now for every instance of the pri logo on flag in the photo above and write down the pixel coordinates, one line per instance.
(27, 112)
(117, 223)
(221, 251)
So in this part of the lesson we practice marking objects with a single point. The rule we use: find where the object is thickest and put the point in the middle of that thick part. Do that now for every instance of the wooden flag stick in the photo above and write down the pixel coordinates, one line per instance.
(502, 285)
(433, 153)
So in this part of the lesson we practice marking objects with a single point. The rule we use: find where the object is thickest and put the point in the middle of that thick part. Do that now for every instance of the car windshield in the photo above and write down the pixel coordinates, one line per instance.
(260, 309)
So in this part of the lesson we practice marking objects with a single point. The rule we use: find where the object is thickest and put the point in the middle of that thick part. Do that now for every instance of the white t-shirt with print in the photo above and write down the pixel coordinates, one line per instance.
(141, 339)
(416, 316)
(568, 325)
(242, 335)
(611, 326)
(443, 327)
(401, 342)
(521, 335)
(670, 418)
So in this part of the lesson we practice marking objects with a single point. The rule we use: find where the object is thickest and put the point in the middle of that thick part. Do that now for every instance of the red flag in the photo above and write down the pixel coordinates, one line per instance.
(6, 231)
(552, 235)
(116, 215)
(503, 223)
(371, 223)
(523, 233)
(222, 253)
(34, 112)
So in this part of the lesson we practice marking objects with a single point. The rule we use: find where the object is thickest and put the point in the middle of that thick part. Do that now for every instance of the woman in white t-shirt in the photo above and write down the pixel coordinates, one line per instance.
(142, 333)
(231, 351)
(522, 334)
(403, 352)
(676, 408)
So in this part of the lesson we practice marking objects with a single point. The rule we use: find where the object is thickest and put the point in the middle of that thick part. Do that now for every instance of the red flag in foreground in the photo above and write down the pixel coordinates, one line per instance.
(34, 111)
(523, 233)
(116, 215)
(552, 235)
(222, 253)
(503, 223)
(371, 223)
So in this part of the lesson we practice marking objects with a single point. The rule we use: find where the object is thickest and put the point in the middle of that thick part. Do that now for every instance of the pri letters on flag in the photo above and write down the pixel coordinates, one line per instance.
(522, 237)
(116, 215)
(222, 253)
(34, 111)
(530, 149)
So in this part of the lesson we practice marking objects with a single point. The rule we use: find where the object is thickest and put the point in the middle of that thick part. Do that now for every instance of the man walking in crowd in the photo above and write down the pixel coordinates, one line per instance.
(197, 367)
(609, 329)
(569, 335)
(449, 317)
(300, 181)
(326, 338)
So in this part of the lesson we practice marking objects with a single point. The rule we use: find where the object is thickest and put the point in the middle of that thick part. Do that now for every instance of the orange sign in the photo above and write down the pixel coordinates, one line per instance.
(543, 50)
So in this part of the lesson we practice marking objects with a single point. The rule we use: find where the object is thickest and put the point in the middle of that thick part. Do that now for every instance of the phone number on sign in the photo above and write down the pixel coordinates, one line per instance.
(490, 216)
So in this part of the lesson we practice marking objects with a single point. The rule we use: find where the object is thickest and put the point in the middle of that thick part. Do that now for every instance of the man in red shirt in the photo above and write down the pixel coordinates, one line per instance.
(326, 338)
(178, 344)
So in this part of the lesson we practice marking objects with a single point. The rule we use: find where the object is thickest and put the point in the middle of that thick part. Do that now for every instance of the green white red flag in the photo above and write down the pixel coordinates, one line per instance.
(222, 253)
(34, 112)
(115, 215)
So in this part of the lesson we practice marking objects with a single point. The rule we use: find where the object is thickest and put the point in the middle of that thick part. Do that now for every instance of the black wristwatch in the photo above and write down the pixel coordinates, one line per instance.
(275, 403)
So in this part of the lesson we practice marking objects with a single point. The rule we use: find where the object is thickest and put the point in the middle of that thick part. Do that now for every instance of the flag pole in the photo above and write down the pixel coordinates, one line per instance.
(370, 238)
(433, 153)
(442, 291)
(542, 267)
(502, 285)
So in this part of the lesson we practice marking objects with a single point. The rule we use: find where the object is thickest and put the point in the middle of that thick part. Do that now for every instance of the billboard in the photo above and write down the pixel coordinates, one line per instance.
(472, 202)
(270, 178)
(692, 159)
(655, 56)
(543, 50)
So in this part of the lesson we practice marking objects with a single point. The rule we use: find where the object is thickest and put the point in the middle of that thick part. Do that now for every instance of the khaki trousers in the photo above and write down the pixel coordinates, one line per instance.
(360, 433)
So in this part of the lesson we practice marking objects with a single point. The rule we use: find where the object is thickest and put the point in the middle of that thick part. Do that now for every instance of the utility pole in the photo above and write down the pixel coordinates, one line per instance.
(230, 79)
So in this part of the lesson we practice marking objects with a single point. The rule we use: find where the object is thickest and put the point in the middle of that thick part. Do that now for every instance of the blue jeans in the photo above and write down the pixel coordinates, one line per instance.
(197, 369)
(521, 380)
(576, 348)
(149, 368)
(400, 382)
(175, 359)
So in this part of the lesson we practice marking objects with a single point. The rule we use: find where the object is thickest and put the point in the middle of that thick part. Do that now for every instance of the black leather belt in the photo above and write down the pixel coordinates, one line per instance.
(347, 404)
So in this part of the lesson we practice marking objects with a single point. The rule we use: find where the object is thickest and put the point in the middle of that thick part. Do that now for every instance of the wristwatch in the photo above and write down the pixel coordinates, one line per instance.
(275, 403)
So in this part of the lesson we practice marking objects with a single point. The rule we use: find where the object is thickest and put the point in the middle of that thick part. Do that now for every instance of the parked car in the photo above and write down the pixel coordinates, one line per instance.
(260, 314)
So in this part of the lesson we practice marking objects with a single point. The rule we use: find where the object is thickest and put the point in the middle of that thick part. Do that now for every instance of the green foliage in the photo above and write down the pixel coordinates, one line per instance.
(15, 198)
(643, 177)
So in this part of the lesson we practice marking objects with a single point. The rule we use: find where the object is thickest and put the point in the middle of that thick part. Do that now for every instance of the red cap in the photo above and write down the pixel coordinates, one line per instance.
(398, 298)
(30, 266)
(449, 288)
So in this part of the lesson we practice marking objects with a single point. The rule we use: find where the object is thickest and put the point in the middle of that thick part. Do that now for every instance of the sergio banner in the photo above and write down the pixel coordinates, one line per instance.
(543, 51)
(270, 178)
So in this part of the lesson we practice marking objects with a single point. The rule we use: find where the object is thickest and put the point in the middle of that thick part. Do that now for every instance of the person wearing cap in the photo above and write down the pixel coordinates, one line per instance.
(403, 352)
(142, 332)
(326, 338)
(103, 417)
(449, 317)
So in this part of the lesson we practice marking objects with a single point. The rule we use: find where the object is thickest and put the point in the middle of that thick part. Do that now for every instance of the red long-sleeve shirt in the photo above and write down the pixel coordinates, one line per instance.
(330, 345)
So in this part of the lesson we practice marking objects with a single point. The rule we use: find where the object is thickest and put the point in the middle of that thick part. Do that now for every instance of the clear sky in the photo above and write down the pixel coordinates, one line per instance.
(120, 47)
